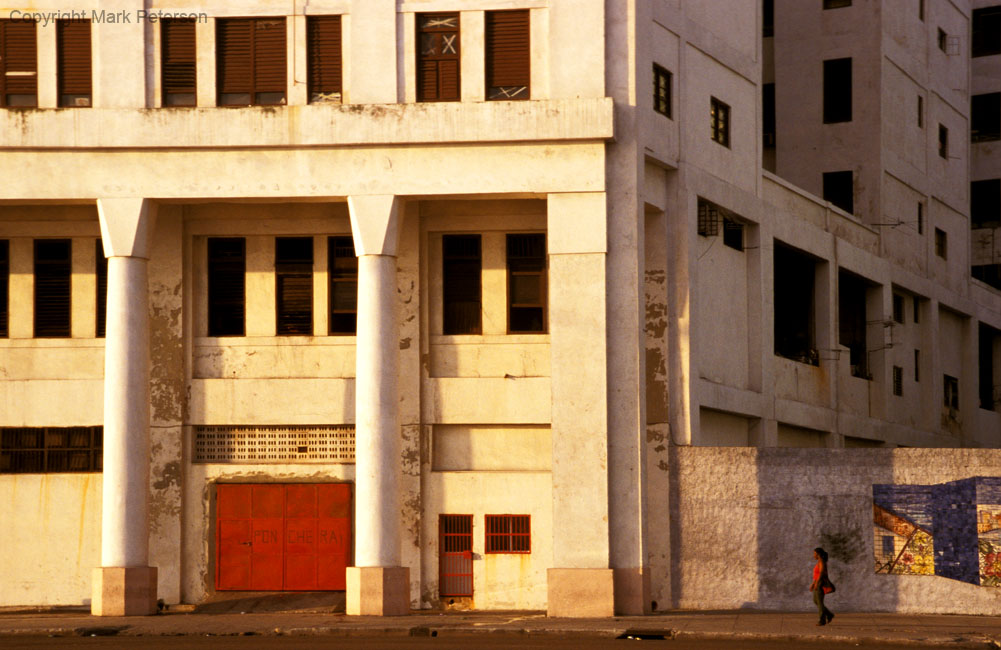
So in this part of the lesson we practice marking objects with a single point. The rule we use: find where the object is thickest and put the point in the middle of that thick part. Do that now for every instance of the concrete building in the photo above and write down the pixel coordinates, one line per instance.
(433, 301)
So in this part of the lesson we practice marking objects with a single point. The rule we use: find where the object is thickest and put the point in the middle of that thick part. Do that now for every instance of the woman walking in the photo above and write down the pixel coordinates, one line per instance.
(821, 585)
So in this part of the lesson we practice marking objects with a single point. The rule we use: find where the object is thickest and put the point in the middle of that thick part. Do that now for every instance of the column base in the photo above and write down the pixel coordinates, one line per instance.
(123, 591)
(581, 593)
(378, 591)
(632, 591)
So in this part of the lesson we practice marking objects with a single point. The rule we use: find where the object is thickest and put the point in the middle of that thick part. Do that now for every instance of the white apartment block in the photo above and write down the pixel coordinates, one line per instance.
(419, 299)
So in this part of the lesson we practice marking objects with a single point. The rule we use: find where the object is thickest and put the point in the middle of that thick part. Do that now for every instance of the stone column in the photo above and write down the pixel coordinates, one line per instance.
(124, 584)
(377, 585)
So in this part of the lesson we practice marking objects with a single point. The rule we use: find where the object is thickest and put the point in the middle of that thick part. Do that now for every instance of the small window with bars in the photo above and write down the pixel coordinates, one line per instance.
(52, 287)
(661, 90)
(294, 286)
(708, 218)
(508, 54)
(719, 117)
(227, 265)
(461, 284)
(18, 64)
(526, 283)
(323, 58)
(898, 380)
(509, 534)
(177, 61)
(343, 273)
(101, 271)
(37, 450)
(251, 61)
(73, 62)
(438, 57)
(4, 282)
(455, 561)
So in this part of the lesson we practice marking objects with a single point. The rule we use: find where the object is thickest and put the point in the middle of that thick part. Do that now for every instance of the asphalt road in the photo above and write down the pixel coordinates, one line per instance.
(407, 643)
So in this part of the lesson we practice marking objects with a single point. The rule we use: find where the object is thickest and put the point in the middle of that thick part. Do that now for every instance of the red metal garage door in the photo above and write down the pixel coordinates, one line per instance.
(294, 537)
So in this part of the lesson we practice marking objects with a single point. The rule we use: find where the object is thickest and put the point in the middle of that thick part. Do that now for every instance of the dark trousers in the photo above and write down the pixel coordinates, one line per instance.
(818, 598)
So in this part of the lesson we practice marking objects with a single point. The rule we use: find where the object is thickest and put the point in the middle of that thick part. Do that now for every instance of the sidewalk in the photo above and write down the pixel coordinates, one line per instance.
(928, 630)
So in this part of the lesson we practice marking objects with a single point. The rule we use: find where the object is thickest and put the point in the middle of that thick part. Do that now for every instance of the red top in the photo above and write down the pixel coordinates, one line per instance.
(817, 569)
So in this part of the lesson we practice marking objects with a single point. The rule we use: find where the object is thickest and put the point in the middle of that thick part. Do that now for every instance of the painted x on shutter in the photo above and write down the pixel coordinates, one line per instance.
(508, 54)
(324, 55)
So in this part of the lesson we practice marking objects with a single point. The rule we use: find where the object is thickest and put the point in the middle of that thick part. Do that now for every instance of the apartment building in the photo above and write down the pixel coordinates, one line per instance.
(420, 300)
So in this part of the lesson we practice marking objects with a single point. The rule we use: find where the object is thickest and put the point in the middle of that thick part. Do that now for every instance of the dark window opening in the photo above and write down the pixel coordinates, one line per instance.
(950, 392)
(943, 141)
(438, 57)
(455, 564)
(985, 117)
(921, 218)
(73, 62)
(839, 189)
(37, 450)
(661, 90)
(987, 273)
(708, 218)
(250, 61)
(227, 266)
(985, 203)
(508, 54)
(921, 112)
(916, 303)
(323, 58)
(837, 4)
(733, 234)
(508, 533)
(768, 18)
(343, 285)
(768, 114)
(294, 286)
(941, 244)
(898, 381)
(461, 284)
(719, 116)
(917, 366)
(837, 90)
(4, 284)
(987, 31)
(18, 64)
(943, 40)
(852, 322)
(898, 308)
(795, 328)
(986, 346)
(53, 267)
(526, 283)
(177, 61)
(101, 271)
(921, 10)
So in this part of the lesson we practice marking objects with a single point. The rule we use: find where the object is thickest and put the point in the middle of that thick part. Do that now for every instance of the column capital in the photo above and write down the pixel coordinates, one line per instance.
(375, 224)
(126, 226)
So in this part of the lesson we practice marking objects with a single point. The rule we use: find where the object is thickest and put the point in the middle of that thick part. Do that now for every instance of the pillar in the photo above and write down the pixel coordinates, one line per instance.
(377, 585)
(124, 584)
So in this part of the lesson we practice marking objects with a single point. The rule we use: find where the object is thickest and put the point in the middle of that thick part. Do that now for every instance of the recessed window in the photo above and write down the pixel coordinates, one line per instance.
(733, 234)
(250, 61)
(343, 273)
(323, 58)
(508, 53)
(943, 141)
(941, 243)
(921, 218)
(508, 534)
(36, 450)
(18, 64)
(837, 90)
(921, 112)
(461, 284)
(987, 31)
(985, 203)
(852, 322)
(898, 308)
(943, 40)
(916, 304)
(950, 392)
(227, 265)
(73, 63)
(839, 189)
(438, 57)
(837, 4)
(719, 115)
(986, 345)
(708, 218)
(985, 117)
(768, 18)
(898, 381)
(768, 114)
(4, 282)
(921, 10)
(177, 61)
(101, 271)
(661, 90)
(526, 283)
(294, 286)
(795, 322)
(917, 365)
(53, 261)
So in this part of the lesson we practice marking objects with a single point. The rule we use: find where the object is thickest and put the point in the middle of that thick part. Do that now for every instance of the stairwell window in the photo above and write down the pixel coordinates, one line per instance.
(719, 118)
(73, 62)
(177, 61)
(508, 54)
(438, 57)
(18, 64)
(251, 61)
(323, 56)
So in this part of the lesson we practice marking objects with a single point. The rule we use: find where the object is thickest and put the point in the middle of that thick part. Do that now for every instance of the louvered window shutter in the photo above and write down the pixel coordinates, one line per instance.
(73, 62)
(227, 286)
(294, 285)
(323, 52)
(177, 61)
(269, 61)
(52, 287)
(251, 61)
(508, 55)
(4, 280)
(343, 273)
(462, 266)
(101, 268)
(18, 64)
(438, 57)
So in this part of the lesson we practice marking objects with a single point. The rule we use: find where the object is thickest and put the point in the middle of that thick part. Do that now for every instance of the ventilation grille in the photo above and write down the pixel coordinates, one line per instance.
(275, 444)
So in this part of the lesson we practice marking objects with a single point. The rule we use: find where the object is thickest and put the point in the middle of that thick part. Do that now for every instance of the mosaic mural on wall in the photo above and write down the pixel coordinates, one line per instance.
(950, 529)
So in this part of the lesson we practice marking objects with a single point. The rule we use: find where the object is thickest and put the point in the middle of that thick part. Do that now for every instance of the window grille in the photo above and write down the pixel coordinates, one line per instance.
(294, 286)
(508, 54)
(36, 450)
(438, 57)
(73, 62)
(323, 55)
(101, 271)
(719, 117)
(708, 219)
(4, 282)
(661, 90)
(509, 534)
(52, 287)
(461, 284)
(177, 61)
(274, 444)
(343, 274)
(18, 63)
(455, 563)
(227, 263)
(251, 61)
(526, 282)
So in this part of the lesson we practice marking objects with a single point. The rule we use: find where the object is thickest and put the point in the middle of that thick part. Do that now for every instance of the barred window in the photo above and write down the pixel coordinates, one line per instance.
(509, 534)
(36, 450)
(719, 115)
(661, 90)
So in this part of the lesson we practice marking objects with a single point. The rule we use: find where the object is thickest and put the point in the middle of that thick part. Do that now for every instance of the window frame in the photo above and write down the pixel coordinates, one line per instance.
(64, 328)
(500, 534)
(838, 77)
(290, 321)
(335, 277)
(943, 141)
(252, 86)
(898, 381)
(542, 273)
(48, 451)
(324, 78)
(981, 23)
(178, 65)
(507, 26)
(941, 243)
(662, 78)
(78, 90)
(448, 285)
(439, 59)
(719, 117)
(985, 117)
(833, 188)
(20, 68)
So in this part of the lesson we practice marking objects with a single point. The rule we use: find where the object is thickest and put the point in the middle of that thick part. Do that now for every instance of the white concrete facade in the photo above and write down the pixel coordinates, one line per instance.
(657, 333)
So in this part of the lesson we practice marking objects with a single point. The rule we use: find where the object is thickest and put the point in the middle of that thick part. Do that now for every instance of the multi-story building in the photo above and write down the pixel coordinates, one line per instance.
(418, 300)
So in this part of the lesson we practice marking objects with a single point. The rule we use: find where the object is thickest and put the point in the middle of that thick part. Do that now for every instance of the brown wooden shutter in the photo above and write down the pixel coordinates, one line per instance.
(73, 62)
(227, 265)
(323, 53)
(343, 273)
(4, 280)
(269, 61)
(294, 285)
(177, 61)
(508, 55)
(462, 267)
(18, 64)
(438, 57)
(52, 287)
(251, 61)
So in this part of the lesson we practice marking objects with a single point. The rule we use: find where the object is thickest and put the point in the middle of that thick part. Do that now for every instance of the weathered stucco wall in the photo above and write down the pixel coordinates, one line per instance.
(743, 523)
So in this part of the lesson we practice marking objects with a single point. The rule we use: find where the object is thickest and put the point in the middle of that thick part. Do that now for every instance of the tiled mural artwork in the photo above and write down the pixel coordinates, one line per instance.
(951, 530)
